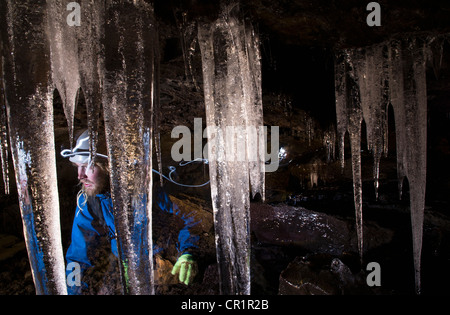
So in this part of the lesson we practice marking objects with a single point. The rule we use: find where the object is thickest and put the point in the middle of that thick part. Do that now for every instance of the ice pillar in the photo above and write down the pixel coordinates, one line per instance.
(128, 101)
(232, 89)
(29, 105)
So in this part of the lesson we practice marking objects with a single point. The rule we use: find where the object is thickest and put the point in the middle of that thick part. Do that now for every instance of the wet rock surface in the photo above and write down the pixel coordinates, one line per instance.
(321, 275)
(311, 230)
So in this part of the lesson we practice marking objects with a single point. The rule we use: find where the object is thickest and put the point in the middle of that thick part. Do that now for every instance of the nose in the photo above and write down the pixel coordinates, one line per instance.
(81, 172)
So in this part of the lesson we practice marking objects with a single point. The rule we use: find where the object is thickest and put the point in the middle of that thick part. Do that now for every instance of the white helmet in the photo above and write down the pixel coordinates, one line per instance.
(80, 154)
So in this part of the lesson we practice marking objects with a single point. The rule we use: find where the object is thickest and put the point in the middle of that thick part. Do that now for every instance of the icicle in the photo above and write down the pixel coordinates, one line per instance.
(90, 37)
(29, 100)
(435, 50)
(314, 174)
(340, 81)
(3, 129)
(232, 88)
(355, 143)
(128, 100)
(252, 79)
(75, 61)
(409, 99)
(64, 58)
(371, 73)
(396, 86)
(329, 142)
(364, 74)
(157, 112)
(354, 129)
(187, 30)
(159, 156)
(349, 118)
(309, 128)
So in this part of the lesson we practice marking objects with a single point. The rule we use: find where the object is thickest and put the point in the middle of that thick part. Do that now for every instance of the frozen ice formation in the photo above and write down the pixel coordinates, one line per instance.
(232, 89)
(128, 104)
(29, 98)
(367, 81)
(4, 149)
(116, 69)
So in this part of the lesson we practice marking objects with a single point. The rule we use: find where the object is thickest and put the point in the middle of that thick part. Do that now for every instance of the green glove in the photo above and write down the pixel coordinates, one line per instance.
(186, 267)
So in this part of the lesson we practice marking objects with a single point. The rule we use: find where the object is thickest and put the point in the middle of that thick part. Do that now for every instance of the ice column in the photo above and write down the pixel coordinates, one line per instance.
(128, 101)
(232, 89)
(29, 92)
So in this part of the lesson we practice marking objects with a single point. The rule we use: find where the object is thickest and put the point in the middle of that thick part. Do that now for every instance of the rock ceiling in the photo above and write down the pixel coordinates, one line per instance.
(328, 23)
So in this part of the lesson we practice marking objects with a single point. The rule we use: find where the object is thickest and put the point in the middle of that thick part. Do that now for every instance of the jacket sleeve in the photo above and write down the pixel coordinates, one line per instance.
(187, 241)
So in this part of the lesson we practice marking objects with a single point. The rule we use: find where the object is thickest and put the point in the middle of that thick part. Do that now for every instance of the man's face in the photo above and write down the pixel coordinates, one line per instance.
(93, 180)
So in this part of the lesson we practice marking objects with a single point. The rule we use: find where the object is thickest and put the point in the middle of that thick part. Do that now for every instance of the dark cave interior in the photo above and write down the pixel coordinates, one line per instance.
(298, 40)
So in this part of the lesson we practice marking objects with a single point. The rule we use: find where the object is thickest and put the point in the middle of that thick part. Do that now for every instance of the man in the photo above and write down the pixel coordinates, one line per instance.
(94, 245)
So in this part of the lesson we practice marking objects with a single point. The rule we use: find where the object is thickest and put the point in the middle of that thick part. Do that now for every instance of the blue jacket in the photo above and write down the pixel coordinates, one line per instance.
(87, 231)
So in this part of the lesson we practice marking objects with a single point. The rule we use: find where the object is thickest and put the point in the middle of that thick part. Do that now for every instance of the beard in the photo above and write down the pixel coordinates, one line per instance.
(101, 186)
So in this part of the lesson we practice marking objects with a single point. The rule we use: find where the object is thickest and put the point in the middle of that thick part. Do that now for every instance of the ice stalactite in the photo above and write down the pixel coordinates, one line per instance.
(349, 118)
(128, 102)
(340, 85)
(157, 115)
(371, 68)
(4, 149)
(90, 41)
(232, 88)
(314, 174)
(329, 142)
(252, 85)
(408, 96)
(29, 93)
(188, 31)
(64, 58)
(309, 124)
(435, 50)
(395, 72)
(76, 61)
